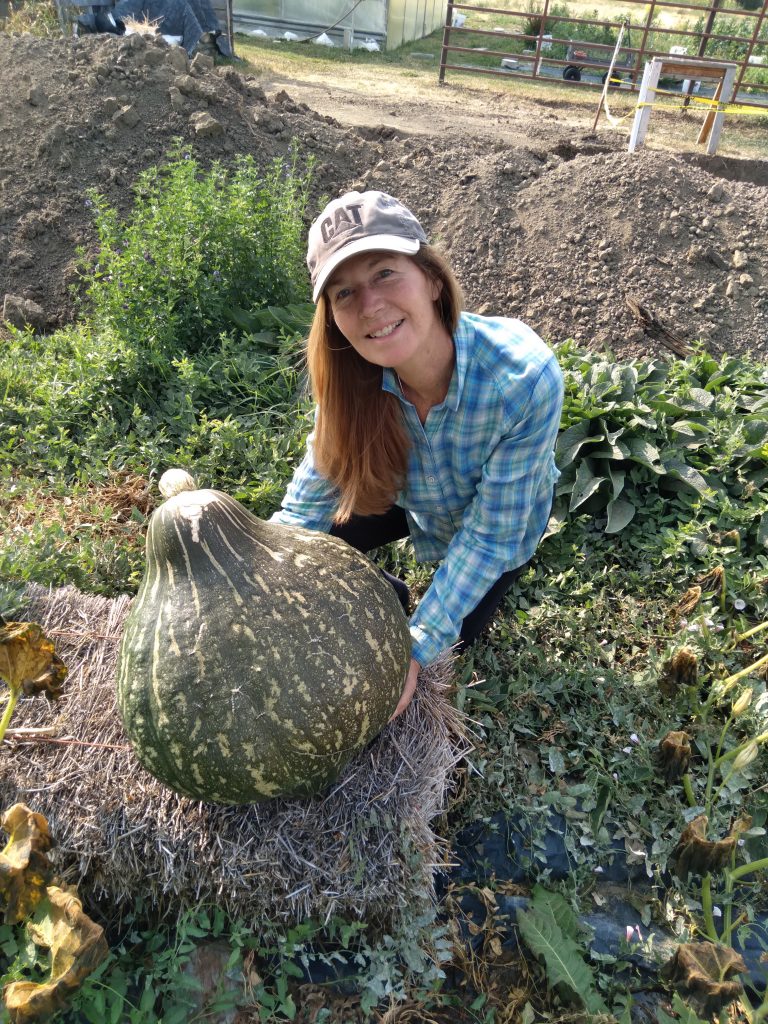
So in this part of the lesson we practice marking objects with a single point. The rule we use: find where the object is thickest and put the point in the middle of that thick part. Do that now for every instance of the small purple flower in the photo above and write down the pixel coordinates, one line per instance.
(633, 930)
(627, 750)
(634, 738)
(216, 275)
(89, 202)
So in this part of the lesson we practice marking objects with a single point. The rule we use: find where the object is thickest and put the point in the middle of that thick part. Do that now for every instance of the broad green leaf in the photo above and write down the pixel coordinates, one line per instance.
(561, 910)
(585, 484)
(645, 453)
(617, 477)
(562, 957)
(620, 512)
(696, 399)
(689, 428)
(687, 474)
(570, 442)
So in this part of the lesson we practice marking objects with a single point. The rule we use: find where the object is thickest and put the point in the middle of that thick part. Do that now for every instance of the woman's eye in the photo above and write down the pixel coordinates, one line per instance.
(342, 293)
(385, 272)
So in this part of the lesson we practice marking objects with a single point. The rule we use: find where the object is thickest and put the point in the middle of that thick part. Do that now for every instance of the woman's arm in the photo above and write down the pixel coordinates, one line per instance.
(311, 500)
(502, 525)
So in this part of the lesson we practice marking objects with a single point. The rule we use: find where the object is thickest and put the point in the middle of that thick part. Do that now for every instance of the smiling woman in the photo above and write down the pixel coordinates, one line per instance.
(431, 422)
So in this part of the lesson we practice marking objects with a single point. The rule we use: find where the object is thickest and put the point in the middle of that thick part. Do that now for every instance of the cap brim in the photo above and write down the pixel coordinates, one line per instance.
(371, 243)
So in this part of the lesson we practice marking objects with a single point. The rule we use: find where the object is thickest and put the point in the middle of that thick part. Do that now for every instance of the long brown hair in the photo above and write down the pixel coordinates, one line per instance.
(361, 443)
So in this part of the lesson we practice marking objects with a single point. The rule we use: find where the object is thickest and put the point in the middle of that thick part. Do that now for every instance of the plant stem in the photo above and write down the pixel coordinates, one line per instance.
(733, 754)
(9, 709)
(752, 632)
(688, 788)
(731, 681)
(747, 869)
(706, 906)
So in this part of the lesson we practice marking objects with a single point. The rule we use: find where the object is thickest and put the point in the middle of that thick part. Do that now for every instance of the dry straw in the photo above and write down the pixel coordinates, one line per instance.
(365, 848)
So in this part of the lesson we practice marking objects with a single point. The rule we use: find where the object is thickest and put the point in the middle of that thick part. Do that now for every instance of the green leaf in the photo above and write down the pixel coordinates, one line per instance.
(620, 513)
(562, 957)
(645, 453)
(585, 484)
(617, 477)
(762, 530)
(570, 442)
(687, 474)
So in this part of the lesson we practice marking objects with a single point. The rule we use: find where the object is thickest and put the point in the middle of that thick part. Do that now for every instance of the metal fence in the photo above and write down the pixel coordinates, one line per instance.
(546, 41)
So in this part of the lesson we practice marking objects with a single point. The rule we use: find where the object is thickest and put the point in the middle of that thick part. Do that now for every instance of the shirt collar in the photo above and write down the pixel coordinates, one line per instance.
(461, 339)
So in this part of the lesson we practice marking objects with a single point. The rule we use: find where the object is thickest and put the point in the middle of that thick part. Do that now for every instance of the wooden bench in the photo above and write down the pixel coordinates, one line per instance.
(693, 70)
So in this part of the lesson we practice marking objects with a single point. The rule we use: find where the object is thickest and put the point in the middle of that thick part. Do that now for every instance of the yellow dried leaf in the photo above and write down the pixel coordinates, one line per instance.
(702, 973)
(77, 947)
(28, 661)
(695, 853)
(688, 601)
(674, 755)
(713, 581)
(24, 867)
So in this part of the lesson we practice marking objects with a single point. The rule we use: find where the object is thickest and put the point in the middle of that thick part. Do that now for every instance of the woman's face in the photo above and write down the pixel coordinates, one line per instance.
(384, 305)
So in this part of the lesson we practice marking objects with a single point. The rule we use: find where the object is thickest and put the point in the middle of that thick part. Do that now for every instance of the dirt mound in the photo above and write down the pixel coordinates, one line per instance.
(558, 232)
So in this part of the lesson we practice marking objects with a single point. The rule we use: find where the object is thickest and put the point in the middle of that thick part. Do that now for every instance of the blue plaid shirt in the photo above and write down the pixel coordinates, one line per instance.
(480, 472)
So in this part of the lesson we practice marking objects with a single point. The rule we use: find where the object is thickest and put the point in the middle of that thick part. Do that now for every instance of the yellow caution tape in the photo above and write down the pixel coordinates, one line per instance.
(705, 101)
(719, 108)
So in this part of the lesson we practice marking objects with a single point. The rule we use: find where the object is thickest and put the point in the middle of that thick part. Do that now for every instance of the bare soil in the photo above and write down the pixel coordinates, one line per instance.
(639, 254)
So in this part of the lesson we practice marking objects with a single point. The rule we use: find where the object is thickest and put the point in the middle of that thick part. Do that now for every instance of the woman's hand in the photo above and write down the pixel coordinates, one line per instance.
(408, 690)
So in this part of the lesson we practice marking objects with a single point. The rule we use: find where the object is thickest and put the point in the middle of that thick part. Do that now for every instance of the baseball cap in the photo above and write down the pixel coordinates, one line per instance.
(359, 222)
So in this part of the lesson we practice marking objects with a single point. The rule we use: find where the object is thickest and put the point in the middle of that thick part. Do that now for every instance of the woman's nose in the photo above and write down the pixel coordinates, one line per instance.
(370, 301)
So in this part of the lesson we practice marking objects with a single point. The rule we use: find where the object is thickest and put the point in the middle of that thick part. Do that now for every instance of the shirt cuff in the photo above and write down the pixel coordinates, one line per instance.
(426, 648)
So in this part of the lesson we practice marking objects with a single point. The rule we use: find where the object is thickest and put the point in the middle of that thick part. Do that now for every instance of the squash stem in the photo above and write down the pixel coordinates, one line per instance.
(10, 707)
(706, 906)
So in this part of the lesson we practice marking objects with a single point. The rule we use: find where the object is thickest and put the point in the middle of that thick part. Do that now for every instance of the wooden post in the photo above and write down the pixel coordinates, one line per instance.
(643, 113)
(713, 122)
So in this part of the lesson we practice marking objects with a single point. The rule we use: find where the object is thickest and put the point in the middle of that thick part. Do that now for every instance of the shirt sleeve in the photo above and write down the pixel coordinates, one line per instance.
(503, 524)
(311, 500)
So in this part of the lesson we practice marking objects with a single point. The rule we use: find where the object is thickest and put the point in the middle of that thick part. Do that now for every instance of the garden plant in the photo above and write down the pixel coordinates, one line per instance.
(619, 698)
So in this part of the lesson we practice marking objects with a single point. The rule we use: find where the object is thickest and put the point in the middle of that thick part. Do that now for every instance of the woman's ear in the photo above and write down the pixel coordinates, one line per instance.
(437, 288)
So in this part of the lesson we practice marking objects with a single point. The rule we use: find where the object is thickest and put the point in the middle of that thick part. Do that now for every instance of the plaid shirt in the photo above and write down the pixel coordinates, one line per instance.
(480, 472)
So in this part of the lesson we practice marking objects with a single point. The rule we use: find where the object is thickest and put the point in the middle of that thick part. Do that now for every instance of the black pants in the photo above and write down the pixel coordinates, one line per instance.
(368, 532)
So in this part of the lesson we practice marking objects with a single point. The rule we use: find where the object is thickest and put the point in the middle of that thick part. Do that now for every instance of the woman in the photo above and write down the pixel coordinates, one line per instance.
(429, 422)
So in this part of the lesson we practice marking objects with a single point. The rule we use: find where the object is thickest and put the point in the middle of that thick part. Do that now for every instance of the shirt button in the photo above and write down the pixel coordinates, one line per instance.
(431, 479)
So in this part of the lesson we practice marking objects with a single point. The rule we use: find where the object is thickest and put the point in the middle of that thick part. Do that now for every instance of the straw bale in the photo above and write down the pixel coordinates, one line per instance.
(366, 848)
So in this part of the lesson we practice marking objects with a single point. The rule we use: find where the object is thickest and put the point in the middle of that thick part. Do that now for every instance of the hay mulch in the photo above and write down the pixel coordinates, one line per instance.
(366, 848)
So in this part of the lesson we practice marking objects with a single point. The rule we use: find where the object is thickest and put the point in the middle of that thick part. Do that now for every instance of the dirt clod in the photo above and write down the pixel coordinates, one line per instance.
(549, 224)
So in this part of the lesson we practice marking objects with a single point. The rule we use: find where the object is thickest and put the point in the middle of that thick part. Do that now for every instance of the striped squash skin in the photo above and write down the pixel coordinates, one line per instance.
(256, 658)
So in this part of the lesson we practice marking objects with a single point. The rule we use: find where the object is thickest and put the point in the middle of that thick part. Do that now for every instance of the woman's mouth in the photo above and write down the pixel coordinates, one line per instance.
(384, 332)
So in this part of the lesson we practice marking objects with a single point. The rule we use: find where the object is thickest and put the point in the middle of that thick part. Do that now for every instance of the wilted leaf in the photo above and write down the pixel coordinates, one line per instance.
(24, 868)
(713, 580)
(702, 972)
(674, 755)
(77, 947)
(28, 661)
(681, 669)
(688, 601)
(695, 853)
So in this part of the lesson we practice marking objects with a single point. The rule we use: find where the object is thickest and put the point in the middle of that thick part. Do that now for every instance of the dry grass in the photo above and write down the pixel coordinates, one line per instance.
(366, 848)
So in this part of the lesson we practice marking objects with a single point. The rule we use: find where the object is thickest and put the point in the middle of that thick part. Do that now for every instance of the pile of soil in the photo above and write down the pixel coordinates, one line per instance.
(558, 230)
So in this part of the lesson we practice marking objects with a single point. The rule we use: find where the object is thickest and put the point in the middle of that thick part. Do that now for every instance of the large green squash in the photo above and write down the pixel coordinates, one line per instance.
(256, 658)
